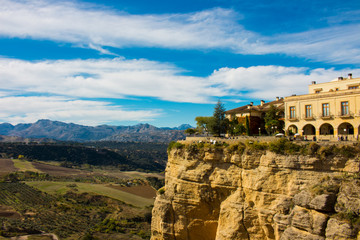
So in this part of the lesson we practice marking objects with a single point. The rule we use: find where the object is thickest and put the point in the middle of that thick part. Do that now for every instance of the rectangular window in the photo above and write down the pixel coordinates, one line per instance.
(345, 108)
(292, 113)
(308, 111)
(325, 110)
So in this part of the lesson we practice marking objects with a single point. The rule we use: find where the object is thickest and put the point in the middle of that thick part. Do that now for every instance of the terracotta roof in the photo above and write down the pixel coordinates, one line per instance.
(278, 103)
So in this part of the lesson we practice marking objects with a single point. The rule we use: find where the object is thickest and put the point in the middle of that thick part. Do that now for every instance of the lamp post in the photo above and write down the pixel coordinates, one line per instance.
(272, 130)
(259, 131)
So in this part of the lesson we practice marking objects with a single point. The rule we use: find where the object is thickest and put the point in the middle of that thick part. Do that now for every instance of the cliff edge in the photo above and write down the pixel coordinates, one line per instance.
(254, 191)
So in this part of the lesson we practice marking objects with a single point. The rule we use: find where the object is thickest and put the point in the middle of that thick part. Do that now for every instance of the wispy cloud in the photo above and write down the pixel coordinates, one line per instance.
(105, 78)
(121, 78)
(209, 29)
(30, 109)
(267, 82)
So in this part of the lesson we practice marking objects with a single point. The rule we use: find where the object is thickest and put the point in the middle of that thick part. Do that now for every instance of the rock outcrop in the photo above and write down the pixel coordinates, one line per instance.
(218, 194)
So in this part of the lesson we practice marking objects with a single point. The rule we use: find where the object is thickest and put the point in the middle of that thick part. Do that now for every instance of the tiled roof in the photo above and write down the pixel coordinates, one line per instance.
(278, 103)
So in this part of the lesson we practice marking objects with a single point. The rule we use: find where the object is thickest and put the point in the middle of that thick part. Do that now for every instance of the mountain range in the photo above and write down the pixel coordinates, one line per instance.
(73, 132)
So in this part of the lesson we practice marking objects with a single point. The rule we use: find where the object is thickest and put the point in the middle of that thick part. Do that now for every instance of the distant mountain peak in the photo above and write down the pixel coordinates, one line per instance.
(45, 128)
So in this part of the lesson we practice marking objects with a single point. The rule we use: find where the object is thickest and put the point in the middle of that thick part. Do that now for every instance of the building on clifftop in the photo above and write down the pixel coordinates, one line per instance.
(256, 114)
(330, 110)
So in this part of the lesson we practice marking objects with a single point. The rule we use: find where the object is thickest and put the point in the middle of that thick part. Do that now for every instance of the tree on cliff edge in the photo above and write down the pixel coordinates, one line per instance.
(219, 123)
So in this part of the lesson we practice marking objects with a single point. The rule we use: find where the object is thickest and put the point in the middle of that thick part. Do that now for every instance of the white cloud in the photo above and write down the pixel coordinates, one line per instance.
(68, 22)
(121, 78)
(30, 109)
(209, 29)
(267, 82)
(105, 78)
(69, 90)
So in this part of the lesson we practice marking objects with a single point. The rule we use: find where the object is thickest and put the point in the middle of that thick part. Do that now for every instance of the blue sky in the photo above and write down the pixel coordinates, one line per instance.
(165, 62)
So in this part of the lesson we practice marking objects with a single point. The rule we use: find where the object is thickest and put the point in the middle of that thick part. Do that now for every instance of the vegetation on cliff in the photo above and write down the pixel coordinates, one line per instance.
(280, 146)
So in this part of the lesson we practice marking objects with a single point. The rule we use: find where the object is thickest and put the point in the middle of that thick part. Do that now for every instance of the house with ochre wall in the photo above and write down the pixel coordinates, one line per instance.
(329, 110)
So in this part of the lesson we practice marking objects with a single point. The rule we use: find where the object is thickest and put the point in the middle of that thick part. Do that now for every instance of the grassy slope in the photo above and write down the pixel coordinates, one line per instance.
(24, 165)
(101, 189)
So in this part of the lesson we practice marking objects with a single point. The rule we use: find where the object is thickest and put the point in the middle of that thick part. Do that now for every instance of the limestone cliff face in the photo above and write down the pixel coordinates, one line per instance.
(217, 194)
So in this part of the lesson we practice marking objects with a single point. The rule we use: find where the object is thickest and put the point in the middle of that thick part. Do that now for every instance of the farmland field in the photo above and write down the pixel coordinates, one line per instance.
(6, 166)
(142, 191)
(57, 171)
(23, 165)
(100, 189)
(26, 210)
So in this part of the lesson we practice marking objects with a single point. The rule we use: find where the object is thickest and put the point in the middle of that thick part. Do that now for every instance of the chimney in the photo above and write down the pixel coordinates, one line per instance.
(262, 102)
(340, 78)
(277, 98)
(313, 82)
(251, 103)
(350, 76)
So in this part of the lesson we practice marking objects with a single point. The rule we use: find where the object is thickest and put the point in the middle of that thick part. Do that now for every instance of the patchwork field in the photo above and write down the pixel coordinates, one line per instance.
(132, 196)
(6, 166)
(142, 191)
(23, 165)
(102, 201)
(58, 171)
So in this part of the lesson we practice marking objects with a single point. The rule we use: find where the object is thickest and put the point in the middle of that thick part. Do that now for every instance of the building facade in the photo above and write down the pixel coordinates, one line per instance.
(256, 114)
(329, 111)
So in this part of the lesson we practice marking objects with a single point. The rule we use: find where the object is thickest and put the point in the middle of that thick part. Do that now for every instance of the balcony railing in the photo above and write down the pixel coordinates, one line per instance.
(292, 118)
(308, 117)
(345, 115)
(325, 117)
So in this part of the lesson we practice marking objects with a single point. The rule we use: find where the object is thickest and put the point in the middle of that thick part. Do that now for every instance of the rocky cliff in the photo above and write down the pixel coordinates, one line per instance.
(241, 193)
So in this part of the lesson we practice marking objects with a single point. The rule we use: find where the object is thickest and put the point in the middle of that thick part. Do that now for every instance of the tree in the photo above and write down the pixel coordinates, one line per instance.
(232, 125)
(247, 126)
(203, 123)
(235, 127)
(190, 131)
(272, 122)
(219, 124)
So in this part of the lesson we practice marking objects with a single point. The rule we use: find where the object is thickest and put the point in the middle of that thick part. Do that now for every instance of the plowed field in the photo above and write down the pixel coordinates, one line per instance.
(142, 191)
(6, 166)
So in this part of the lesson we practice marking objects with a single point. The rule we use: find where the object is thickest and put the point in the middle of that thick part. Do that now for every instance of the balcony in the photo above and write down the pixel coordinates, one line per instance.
(346, 115)
(308, 117)
(326, 117)
(292, 118)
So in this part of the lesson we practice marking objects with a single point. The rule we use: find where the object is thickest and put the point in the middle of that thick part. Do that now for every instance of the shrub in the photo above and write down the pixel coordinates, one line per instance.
(239, 147)
(312, 148)
(175, 145)
(323, 188)
(161, 190)
(284, 146)
(256, 145)
(278, 146)
(192, 148)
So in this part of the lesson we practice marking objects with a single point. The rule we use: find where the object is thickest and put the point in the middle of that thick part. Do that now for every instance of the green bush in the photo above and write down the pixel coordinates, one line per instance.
(192, 148)
(239, 147)
(278, 146)
(175, 145)
(161, 190)
(324, 188)
(284, 146)
(256, 145)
